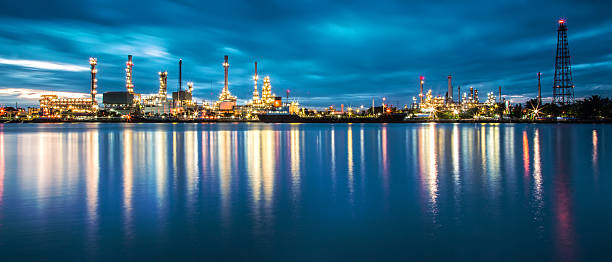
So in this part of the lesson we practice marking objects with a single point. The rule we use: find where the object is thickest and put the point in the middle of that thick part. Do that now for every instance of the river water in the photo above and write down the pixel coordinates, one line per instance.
(306, 192)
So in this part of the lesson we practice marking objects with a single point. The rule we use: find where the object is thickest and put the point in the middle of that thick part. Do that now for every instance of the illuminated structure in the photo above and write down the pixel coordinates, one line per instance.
(294, 108)
(459, 94)
(267, 97)
(123, 102)
(449, 94)
(470, 100)
(163, 85)
(52, 105)
(158, 104)
(128, 75)
(256, 101)
(226, 101)
(539, 89)
(491, 99)
(431, 103)
(94, 83)
(422, 78)
(186, 97)
(563, 87)
(177, 97)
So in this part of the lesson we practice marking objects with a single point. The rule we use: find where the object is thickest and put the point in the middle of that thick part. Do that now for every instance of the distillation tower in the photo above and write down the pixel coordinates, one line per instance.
(256, 101)
(163, 85)
(94, 82)
(449, 92)
(422, 81)
(128, 75)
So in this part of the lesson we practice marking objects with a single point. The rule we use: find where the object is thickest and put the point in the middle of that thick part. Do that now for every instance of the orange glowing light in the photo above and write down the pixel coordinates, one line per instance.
(561, 21)
(525, 153)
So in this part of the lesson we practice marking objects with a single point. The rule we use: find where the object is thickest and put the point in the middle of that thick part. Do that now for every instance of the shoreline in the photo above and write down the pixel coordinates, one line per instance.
(409, 121)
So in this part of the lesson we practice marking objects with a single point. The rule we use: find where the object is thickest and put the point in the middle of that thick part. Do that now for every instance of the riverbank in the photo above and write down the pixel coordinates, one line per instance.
(229, 120)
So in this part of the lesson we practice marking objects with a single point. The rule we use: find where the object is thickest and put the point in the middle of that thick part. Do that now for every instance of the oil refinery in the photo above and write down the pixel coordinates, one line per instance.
(264, 105)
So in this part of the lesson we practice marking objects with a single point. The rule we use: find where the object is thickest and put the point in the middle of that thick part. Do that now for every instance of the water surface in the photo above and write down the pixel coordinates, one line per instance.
(305, 192)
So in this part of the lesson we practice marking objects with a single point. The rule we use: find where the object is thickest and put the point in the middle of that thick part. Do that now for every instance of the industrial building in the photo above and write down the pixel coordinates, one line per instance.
(226, 102)
(53, 105)
(123, 102)
(158, 104)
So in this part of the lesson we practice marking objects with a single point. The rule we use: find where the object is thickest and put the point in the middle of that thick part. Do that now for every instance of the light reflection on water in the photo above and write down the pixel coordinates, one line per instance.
(274, 191)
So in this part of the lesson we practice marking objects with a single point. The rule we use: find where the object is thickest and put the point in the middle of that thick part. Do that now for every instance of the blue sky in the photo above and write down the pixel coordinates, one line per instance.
(325, 52)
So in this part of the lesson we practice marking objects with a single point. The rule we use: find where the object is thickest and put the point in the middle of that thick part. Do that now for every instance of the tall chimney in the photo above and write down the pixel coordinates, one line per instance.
(539, 90)
(450, 90)
(225, 66)
(94, 82)
(180, 77)
(500, 95)
(255, 79)
(128, 75)
(422, 78)
(472, 93)
(459, 93)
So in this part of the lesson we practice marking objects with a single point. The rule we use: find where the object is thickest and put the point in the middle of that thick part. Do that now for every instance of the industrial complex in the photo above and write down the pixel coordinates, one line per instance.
(128, 104)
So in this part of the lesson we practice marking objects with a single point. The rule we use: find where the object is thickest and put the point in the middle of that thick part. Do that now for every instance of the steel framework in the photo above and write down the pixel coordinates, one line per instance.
(563, 87)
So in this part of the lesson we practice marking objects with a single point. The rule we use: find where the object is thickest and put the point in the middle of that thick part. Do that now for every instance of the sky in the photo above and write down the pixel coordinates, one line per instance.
(324, 52)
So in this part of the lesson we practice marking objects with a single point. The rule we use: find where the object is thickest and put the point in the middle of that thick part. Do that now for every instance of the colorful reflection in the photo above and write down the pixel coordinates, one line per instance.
(428, 165)
(128, 181)
(595, 153)
(2, 167)
(219, 184)
(525, 153)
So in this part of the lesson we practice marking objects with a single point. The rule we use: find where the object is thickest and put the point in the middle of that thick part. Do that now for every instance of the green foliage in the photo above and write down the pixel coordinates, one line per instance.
(516, 111)
(594, 107)
(470, 113)
(446, 115)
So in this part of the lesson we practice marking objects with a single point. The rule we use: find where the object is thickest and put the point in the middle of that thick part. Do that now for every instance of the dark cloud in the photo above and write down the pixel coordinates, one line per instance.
(324, 51)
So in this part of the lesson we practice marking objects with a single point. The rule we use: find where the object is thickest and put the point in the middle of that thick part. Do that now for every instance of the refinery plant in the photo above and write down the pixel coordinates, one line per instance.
(129, 105)
(265, 106)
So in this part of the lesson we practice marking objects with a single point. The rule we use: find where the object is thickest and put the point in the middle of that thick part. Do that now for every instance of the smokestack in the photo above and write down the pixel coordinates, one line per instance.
(450, 90)
(500, 95)
(459, 94)
(128, 75)
(94, 81)
(180, 76)
(421, 93)
(372, 105)
(255, 79)
(472, 93)
(539, 90)
(225, 66)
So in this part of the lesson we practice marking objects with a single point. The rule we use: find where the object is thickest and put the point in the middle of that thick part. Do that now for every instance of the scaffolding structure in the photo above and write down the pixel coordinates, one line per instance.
(563, 87)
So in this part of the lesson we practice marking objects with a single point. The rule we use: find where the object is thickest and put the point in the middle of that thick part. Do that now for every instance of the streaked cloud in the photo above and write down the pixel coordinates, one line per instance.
(31, 96)
(44, 65)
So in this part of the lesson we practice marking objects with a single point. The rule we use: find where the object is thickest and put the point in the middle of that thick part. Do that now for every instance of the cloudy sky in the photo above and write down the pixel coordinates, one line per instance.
(325, 52)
